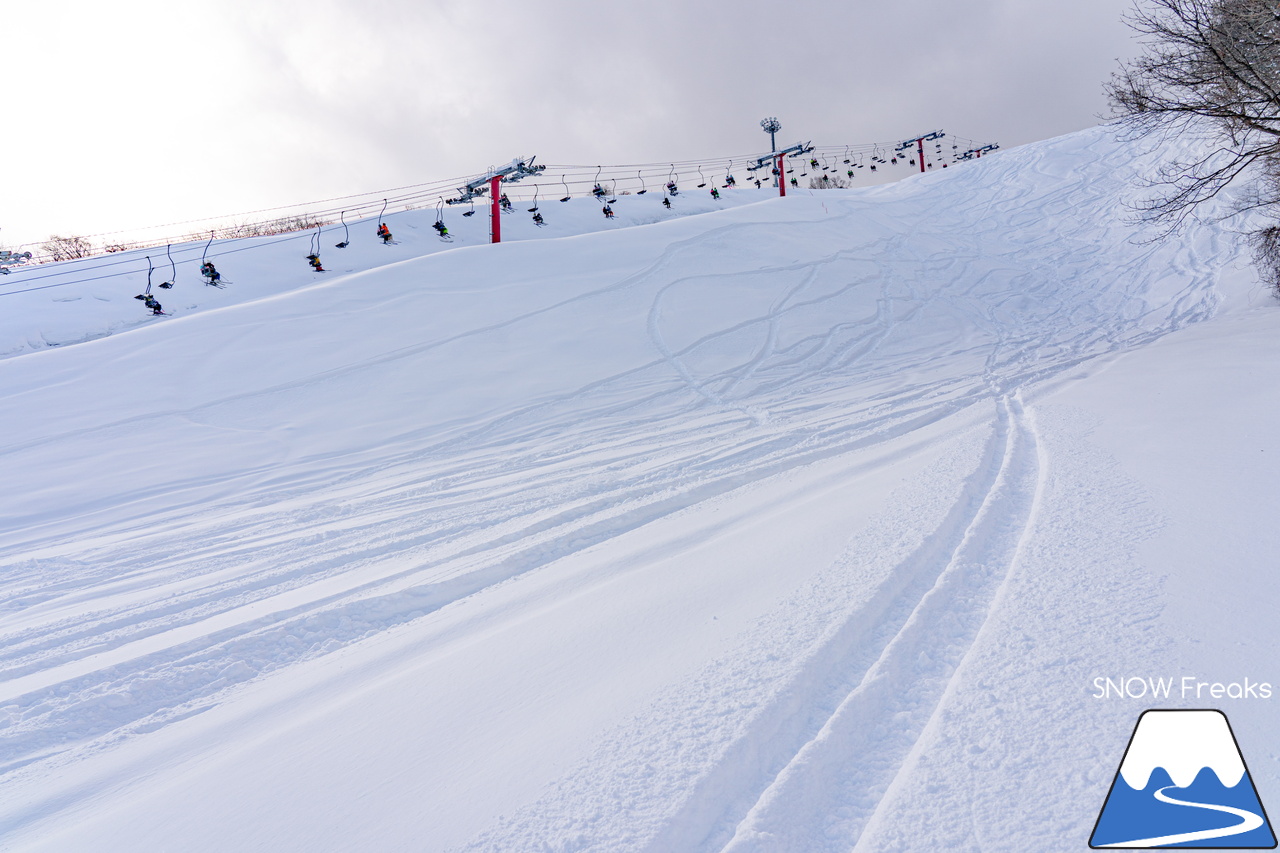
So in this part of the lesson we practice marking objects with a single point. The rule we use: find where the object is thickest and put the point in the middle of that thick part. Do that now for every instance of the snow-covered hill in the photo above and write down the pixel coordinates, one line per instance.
(60, 304)
(803, 524)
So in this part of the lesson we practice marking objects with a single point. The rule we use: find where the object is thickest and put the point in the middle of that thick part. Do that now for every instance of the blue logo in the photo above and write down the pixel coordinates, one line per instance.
(1183, 783)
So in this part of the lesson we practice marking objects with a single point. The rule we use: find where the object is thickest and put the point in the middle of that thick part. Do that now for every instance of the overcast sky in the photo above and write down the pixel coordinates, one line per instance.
(144, 112)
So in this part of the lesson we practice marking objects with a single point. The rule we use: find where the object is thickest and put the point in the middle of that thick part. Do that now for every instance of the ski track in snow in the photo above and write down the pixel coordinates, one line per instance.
(800, 754)
(931, 314)
(820, 788)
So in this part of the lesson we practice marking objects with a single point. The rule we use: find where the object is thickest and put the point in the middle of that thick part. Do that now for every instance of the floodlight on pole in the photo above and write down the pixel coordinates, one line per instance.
(771, 126)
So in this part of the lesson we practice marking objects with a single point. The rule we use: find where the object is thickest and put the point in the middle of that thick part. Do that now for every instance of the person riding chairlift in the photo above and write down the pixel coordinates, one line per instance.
(441, 229)
(608, 212)
(314, 260)
(384, 232)
(210, 273)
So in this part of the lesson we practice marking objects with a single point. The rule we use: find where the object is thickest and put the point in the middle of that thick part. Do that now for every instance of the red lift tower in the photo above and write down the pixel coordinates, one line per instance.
(777, 159)
(919, 142)
(494, 178)
(976, 153)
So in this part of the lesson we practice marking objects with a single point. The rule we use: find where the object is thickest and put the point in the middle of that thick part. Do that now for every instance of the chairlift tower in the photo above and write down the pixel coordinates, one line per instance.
(510, 173)
(976, 153)
(778, 158)
(919, 142)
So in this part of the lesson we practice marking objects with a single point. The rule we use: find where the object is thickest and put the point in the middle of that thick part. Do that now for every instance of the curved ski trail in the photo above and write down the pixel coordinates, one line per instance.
(831, 786)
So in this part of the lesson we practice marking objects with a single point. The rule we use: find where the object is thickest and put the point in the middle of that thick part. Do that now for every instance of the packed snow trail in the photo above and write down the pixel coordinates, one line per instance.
(817, 787)
(668, 538)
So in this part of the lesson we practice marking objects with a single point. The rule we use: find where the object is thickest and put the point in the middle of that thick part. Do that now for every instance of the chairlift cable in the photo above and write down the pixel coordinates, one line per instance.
(448, 182)
(409, 194)
(290, 237)
(412, 192)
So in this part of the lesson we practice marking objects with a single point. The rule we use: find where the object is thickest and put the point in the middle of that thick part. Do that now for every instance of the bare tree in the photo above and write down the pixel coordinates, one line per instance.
(1209, 65)
(1266, 254)
(284, 225)
(829, 182)
(66, 248)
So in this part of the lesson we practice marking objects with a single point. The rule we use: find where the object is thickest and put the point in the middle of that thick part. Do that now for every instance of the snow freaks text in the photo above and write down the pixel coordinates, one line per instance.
(1186, 687)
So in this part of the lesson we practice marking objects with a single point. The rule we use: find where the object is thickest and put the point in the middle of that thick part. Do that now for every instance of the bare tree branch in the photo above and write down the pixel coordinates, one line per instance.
(1208, 65)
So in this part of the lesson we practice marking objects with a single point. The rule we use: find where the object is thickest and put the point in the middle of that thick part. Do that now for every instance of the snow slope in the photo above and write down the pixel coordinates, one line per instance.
(802, 525)
(60, 304)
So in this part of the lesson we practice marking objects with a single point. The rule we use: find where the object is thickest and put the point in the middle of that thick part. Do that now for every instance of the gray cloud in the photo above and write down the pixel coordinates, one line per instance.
(231, 105)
